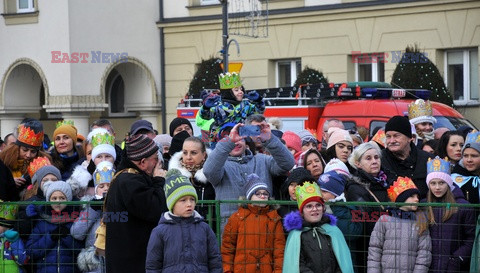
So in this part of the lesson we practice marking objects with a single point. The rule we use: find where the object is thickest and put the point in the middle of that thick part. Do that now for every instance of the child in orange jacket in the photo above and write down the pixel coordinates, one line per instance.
(253, 239)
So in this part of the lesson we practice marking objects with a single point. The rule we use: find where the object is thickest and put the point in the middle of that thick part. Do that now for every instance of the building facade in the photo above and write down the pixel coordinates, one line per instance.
(79, 60)
(329, 36)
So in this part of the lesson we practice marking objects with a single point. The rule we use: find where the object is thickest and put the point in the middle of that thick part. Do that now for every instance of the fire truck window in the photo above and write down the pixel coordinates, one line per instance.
(375, 125)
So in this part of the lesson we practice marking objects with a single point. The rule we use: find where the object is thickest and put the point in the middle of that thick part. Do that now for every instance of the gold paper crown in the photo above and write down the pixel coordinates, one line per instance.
(28, 136)
(8, 212)
(420, 111)
(473, 137)
(65, 122)
(438, 165)
(229, 80)
(102, 138)
(103, 175)
(37, 164)
(400, 185)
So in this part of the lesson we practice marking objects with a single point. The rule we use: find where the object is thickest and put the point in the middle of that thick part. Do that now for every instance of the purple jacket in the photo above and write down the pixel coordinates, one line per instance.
(453, 238)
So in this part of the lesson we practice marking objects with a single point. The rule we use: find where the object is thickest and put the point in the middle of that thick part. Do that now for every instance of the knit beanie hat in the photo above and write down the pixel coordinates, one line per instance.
(176, 187)
(163, 139)
(472, 141)
(292, 140)
(177, 122)
(402, 189)
(308, 192)
(332, 182)
(399, 124)
(102, 142)
(140, 146)
(53, 186)
(337, 165)
(43, 171)
(439, 169)
(103, 173)
(337, 135)
(306, 137)
(30, 134)
(299, 175)
(68, 130)
(253, 185)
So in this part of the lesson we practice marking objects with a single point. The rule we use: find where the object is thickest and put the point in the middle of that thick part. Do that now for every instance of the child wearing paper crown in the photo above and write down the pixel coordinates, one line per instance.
(253, 239)
(466, 174)
(400, 242)
(452, 228)
(50, 246)
(182, 241)
(12, 252)
(314, 243)
(90, 217)
(229, 108)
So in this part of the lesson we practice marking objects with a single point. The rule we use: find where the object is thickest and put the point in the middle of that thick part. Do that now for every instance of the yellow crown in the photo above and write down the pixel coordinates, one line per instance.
(37, 164)
(420, 111)
(65, 122)
(28, 136)
(400, 185)
(229, 80)
(102, 138)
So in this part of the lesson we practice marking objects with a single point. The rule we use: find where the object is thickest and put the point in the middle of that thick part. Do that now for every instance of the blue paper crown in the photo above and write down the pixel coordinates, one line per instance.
(438, 165)
(104, 175)
(473, 137)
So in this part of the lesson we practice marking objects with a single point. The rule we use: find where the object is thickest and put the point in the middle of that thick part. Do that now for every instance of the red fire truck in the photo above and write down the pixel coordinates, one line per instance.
(366, 104)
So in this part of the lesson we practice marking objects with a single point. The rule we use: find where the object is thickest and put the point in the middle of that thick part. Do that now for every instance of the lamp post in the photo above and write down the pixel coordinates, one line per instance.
(226, 43)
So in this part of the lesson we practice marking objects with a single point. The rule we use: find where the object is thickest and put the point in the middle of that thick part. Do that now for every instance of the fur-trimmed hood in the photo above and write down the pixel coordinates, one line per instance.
(294, 220)
(174, 163)
(79, 180)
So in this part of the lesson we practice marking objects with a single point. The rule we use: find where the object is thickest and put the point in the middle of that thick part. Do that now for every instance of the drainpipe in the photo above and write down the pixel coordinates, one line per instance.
(163, 95)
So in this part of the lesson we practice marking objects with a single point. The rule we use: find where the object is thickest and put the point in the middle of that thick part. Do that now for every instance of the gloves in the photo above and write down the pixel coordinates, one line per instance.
(254, 96)
(31, 210)
(211, 100)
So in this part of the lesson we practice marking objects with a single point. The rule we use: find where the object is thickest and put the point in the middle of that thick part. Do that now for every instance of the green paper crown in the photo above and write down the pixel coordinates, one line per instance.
(65, 122)
(229, 80)
(104, 138)
(306, 191)
(8, 212)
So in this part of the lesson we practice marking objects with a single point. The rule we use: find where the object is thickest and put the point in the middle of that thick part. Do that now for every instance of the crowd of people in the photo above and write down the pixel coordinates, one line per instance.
(143, 212)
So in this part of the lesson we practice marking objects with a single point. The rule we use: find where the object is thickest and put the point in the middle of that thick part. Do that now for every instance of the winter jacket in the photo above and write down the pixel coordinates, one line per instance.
(205, 190)
(83, 229)
(396, 246)
(414, 166)
(53, 255)
(468, 182)
(142, 199)
(8, 189)
(315, 247)
(253, 241)
(180, 244)
(452, 240)
(228, 174)
(225, 112)
(351, 230)
(14, 254)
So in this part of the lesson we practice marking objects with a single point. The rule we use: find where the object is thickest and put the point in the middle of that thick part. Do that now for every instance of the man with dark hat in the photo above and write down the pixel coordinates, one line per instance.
(402, 157)
(134, 204)
(178, 125)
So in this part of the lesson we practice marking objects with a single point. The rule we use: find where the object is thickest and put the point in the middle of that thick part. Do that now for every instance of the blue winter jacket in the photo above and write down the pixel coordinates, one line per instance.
(52, 256)
(183, 245)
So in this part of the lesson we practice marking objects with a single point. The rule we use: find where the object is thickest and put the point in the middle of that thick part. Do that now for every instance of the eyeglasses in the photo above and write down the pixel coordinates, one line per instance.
(260, 194)
(310, 207)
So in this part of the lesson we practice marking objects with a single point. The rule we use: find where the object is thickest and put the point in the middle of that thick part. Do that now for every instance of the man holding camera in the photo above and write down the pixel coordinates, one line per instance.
(229, 164)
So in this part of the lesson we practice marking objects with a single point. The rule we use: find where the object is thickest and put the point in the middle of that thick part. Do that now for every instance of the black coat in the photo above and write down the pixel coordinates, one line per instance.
(8, 189)
(414, 166)
(140, 198)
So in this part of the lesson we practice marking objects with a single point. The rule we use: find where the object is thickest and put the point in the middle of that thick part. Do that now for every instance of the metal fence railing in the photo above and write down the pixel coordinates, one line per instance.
(356, 220)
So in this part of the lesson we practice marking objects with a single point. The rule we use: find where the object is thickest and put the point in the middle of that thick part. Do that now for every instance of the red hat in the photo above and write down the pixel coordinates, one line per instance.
(292, 140)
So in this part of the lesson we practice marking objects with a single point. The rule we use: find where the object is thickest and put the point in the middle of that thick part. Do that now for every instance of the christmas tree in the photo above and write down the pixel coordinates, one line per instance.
(206, 77)
(415, 70)
(310, 76)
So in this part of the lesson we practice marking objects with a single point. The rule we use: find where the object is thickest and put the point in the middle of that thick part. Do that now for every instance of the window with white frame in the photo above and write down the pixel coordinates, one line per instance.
(287, 72)
(369, 67)
(461, 74)
(25, 6)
